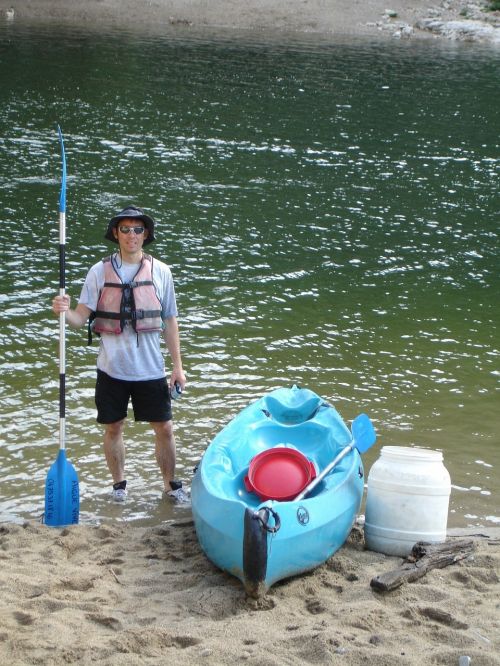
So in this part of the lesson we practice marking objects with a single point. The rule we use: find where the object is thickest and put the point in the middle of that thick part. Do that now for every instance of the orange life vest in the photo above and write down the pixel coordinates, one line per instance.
(135, 302)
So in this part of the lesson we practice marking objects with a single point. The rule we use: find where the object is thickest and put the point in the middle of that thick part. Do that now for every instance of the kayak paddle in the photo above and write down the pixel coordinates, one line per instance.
(363, 437)
(62, 494)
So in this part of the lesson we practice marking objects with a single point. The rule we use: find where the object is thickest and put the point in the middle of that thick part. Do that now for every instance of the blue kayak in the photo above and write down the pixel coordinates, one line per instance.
(256, 537)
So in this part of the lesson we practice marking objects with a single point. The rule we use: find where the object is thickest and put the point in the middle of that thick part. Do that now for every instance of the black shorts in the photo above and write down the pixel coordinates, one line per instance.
(150, 399)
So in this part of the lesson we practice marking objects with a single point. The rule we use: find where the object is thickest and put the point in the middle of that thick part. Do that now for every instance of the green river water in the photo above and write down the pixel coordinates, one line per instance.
(329, 209)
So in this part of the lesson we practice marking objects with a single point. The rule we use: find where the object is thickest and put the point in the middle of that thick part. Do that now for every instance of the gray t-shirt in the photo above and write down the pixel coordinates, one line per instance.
(131, 356)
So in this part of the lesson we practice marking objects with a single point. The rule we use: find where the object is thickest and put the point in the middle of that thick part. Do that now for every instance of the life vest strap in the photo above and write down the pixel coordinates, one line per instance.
(145, 314)
(108, 315)
(135, 314)
(129, 285)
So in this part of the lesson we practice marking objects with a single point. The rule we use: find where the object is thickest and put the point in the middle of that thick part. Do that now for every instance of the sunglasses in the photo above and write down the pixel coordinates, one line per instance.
(136, 230)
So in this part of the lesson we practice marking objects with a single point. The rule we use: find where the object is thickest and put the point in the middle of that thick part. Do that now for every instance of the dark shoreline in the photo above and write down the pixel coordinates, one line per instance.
(455, 20)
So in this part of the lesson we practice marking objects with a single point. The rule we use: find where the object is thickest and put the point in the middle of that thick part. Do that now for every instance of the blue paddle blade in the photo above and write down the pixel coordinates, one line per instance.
(363, 433)
(62, 197)
(62, 494)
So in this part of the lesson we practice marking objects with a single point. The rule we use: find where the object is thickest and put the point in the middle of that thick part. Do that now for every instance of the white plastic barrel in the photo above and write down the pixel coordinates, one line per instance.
(407, 500)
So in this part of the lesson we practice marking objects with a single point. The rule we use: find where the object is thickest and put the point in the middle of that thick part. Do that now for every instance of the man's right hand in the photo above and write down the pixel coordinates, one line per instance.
(61, 304)
(76, 317)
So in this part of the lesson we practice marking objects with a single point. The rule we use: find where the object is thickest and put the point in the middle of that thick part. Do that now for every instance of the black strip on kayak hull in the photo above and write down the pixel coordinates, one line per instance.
(255, 552)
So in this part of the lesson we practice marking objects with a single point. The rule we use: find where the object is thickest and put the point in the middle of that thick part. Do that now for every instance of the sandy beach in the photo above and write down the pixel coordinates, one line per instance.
(451, 19)
(119, 594)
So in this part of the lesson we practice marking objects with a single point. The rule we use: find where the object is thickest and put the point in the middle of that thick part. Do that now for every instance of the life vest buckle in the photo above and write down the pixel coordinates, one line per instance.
(137, 314)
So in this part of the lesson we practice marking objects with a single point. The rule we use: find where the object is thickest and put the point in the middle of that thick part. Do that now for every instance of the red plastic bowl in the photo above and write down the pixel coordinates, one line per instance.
(279, 474)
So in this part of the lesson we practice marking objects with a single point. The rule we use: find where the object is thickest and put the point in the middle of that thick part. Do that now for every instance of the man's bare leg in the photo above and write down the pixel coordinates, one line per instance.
(114, 450)
(165, 450)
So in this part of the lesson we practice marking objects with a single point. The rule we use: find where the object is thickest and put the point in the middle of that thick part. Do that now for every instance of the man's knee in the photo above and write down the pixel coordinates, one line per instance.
(163, 429)
(114, 429)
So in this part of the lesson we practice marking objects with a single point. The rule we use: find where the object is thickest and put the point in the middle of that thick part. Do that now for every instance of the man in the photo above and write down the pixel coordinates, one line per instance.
(129, 298)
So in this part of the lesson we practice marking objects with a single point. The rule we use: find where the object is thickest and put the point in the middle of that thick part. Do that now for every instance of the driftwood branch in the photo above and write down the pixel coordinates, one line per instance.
(423, 557)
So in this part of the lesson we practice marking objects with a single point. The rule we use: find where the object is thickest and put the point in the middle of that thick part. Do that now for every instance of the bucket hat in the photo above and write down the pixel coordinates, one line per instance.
(132, 213)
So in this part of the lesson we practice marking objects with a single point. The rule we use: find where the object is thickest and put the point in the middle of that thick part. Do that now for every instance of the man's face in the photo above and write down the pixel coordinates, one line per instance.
(130, 234)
